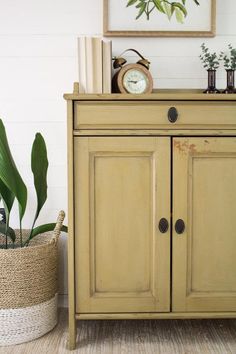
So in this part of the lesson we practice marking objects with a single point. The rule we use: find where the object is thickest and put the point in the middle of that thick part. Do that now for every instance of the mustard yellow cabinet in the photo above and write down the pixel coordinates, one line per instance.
(152, 206)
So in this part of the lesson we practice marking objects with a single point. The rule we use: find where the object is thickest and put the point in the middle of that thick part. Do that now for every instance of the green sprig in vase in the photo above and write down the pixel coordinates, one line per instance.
(211, 62)
(229, 60)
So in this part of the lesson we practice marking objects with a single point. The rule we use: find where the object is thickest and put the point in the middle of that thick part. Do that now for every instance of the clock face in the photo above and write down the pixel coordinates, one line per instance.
(135, 81)
(132, 78)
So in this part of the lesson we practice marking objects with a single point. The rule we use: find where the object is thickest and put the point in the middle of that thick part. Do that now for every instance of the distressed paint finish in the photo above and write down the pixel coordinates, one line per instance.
(204, 196)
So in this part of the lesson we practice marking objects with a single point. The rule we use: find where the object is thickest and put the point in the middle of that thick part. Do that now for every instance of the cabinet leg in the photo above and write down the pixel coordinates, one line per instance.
(72, 334)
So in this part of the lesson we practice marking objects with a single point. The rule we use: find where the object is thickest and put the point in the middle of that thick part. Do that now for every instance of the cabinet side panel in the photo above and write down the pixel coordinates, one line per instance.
(71, 250)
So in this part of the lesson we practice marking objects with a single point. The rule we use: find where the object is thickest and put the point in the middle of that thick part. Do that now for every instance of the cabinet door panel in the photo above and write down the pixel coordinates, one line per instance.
(121, 191)
(204, 257)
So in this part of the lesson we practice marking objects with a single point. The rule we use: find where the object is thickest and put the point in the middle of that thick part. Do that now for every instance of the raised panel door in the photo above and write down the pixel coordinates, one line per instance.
(122, 261)
(204, 256)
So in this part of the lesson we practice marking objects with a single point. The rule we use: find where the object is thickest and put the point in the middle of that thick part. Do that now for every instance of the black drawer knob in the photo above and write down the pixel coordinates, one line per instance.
(172, 115)
(163, 225)
(179, 226)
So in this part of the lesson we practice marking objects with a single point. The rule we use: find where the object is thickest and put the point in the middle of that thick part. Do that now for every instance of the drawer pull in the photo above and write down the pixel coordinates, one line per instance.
(172, 115)
(163, 225)
(179, 226)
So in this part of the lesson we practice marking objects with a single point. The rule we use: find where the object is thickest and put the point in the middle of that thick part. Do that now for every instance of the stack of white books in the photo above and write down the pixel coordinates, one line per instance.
(95, 62)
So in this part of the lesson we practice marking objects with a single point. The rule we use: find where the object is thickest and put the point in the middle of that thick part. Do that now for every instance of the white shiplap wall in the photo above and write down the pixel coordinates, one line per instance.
(38, 64)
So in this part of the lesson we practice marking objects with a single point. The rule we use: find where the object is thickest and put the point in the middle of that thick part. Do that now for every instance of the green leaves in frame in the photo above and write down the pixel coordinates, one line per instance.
(146, 7)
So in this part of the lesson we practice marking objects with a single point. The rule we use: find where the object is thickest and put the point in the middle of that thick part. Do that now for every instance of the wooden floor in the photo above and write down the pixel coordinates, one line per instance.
(134, 337)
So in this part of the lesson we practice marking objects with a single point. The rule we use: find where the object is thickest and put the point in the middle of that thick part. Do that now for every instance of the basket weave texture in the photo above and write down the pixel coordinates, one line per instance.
(28, 288)
(29, 274)
(28, 323)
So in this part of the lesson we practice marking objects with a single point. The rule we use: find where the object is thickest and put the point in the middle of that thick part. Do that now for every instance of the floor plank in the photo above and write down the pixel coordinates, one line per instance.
(136, 337)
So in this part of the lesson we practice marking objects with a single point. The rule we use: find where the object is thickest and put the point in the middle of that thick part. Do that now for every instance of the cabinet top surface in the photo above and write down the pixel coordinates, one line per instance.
(168, 95)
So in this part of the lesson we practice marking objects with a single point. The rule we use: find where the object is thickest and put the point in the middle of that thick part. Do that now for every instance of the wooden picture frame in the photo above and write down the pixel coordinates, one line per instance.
(109, 31)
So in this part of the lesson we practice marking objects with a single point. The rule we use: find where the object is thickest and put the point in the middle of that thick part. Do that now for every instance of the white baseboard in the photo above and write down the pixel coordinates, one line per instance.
(62, 300)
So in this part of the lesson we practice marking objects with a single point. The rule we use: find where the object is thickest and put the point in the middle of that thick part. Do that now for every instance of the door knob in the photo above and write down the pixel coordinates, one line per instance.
(179, 226)
(163, 225)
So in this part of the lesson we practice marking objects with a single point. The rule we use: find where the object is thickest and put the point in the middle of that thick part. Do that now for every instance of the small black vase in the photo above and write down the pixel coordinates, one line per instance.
(211, 82)
(230, 82)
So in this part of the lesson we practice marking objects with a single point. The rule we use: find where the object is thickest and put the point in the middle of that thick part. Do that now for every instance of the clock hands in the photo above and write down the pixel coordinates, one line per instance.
(134, 82)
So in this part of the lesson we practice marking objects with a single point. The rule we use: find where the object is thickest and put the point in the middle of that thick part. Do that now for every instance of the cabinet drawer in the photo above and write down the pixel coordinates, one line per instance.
(154, 115)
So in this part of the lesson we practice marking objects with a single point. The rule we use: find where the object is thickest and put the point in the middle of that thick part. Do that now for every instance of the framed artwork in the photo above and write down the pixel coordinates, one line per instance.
(189, 18)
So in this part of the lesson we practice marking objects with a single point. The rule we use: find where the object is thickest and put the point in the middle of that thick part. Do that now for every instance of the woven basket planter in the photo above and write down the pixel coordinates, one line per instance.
(28, 288)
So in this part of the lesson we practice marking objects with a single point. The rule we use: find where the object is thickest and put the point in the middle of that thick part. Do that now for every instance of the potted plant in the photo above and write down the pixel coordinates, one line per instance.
(211, 62)
(229, 60)
(28, 258)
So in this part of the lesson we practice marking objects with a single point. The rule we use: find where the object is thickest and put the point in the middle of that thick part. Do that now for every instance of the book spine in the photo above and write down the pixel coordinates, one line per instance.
(89, 65)
(82, 64)
(97, 64)
(106, 66)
